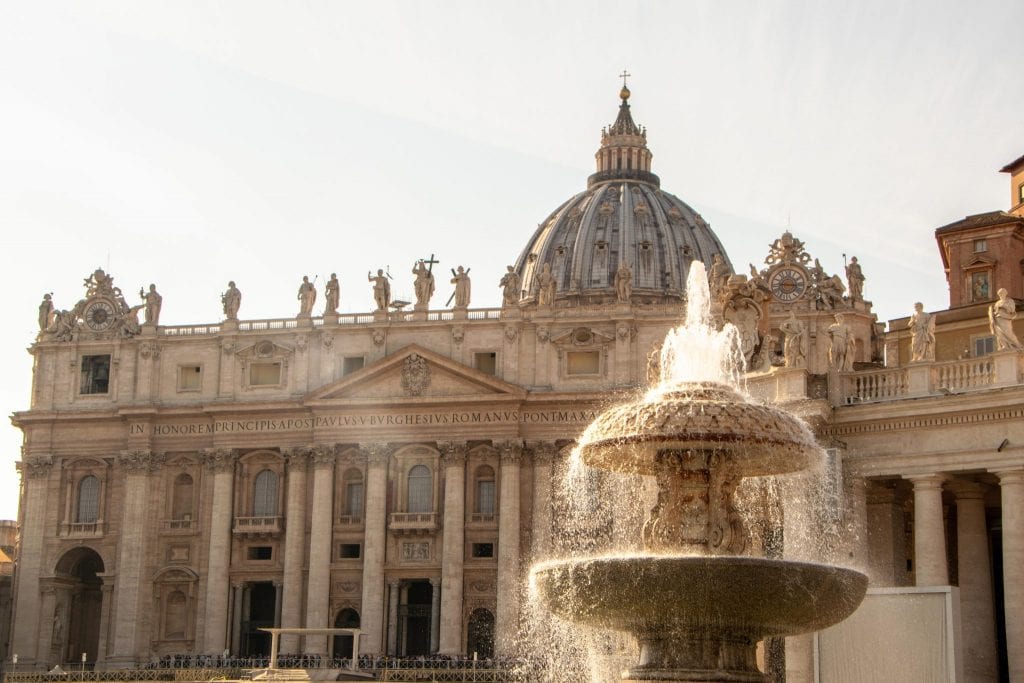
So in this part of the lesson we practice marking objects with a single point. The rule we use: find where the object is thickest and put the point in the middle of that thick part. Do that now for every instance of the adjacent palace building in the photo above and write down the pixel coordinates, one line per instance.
(184, 486)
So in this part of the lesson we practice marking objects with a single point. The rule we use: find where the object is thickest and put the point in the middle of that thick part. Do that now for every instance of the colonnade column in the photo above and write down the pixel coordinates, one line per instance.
(221, 463)
(543, 452)
(506, 621)
(374, 541)
(453, 549)
(319, 591)
(394, 592)
(977, 616)
(435, 613)
(929, 531)
(131, 550)
(237, 599)
(294, 547)
(1011, 484)
(35, 472)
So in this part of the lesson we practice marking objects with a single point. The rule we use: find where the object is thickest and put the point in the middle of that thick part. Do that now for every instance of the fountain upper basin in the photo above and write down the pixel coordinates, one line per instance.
(758, 439)
(655, 595)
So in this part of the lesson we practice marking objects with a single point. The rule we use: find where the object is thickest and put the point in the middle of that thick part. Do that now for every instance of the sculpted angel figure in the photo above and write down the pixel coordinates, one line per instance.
(1001, 315)
(922, 334)
(510, 287)
(232, 300)
(794, 346)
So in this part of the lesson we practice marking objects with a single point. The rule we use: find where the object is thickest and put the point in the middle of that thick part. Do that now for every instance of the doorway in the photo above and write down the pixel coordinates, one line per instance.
(414, 618)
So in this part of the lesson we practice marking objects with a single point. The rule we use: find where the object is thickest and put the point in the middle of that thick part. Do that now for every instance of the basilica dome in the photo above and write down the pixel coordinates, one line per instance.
(623, 217)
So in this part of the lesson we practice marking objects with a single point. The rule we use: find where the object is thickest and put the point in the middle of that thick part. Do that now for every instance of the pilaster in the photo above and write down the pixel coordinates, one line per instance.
(319, 590)
(507, 618)
(374, 543)
(450, 588)
(294, 546)
(220, 463)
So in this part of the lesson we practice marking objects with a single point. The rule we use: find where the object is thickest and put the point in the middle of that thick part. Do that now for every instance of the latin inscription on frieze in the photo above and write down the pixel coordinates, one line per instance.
(460, 417)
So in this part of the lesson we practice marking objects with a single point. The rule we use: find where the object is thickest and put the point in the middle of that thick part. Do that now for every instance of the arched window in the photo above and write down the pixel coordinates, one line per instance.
(175, 616)
(181, 498)
(88, 509)
(264, 499)
(484, 500)
(421, 490)
(353, 494)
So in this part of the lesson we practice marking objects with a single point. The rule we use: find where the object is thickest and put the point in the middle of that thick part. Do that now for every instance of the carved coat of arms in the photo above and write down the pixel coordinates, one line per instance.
(415, 375)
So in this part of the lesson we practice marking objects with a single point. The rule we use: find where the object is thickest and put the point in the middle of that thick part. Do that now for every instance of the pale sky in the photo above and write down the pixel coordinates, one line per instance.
(188, 144)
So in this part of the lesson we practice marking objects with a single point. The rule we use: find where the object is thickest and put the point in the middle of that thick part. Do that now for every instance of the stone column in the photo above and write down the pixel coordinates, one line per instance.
(857, 517)
(35, 472)
(237, 599)
(887, 558)
(294, 547)
(506, 621)
(320, 542)
(977, 616)
(543, 453)
(394, 592)
(374, 542)
(1011, 484)
(435, 613)
(108, 599)
(278, 602)
(929, 531)
(453, 549)
(131, 550)
(220, 462)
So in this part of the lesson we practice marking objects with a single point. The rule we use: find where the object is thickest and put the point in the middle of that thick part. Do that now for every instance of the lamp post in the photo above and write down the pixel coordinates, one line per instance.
(84, 657)
(14, 662)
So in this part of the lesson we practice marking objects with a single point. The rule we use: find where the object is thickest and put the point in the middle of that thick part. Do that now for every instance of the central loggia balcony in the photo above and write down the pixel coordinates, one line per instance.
(413, 522)
(258, 526)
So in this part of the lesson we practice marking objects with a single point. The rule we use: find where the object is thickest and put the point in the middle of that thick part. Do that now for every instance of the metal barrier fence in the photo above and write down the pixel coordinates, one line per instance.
(454, 675)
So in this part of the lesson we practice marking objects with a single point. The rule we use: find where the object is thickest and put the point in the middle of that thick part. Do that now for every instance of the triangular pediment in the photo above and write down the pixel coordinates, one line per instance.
(414, 372)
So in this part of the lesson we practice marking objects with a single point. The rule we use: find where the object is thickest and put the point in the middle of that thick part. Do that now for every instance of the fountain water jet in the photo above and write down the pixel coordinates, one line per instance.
(695, 601)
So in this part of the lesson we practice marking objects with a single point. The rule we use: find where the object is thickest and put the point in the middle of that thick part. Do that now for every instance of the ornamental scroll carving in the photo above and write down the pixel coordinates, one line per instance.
(141, 461)
(415, 375)
(377, 453)
(219, 459)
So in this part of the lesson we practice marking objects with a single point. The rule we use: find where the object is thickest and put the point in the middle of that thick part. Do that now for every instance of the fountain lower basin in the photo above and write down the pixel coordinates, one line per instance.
(699, 618)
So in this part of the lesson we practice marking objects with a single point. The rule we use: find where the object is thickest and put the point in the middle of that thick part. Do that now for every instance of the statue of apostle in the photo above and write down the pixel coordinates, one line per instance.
(794, 346)
(381, 289)
(510, 287)
(462, 287)
(306, 297)
(232, 300)
(1001, 315)
(332, 295)
(153, 303)
(922, 334)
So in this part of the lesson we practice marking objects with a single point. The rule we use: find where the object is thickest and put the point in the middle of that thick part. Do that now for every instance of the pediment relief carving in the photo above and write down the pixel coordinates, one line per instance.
(414, 372)
(582, 337)
(264, 349)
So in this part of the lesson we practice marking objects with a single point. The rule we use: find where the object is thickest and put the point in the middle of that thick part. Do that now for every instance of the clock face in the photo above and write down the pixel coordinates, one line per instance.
(99, 315)
(788, 284)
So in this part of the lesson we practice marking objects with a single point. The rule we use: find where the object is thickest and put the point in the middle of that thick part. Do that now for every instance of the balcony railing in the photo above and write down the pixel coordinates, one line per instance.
(179, 526)
(350, 520)
(82, 529)
(257, 526)
(413, 522)
(876, 385)
(483, 519)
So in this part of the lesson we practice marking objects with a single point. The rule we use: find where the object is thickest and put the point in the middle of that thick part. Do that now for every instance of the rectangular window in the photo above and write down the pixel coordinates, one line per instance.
(350, 551)
(980, 245)
(95, 374)
(260, 552)
(984, 346)
(264, 374)
(1020, 193)
(485, 497)
(486, 362)
(190, 378)
(483, 550)
(583, 363)
(351, 364)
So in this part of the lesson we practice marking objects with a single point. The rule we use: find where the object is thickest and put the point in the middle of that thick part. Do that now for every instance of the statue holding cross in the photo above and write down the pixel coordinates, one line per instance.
(424, 283)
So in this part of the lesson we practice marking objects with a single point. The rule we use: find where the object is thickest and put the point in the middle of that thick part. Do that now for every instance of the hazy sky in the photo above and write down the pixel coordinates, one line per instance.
(186, 144)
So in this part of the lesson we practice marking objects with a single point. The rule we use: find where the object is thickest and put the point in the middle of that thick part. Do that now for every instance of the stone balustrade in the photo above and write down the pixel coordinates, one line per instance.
(413, 522)
(258, 525)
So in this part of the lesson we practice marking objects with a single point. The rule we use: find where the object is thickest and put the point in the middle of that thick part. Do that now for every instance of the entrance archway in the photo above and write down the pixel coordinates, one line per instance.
(347, 618)
(480, 634)
(259, 603)
(76, 623)
(414, 618)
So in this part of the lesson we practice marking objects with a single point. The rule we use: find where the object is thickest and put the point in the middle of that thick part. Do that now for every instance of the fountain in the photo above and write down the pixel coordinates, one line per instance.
(697, 599)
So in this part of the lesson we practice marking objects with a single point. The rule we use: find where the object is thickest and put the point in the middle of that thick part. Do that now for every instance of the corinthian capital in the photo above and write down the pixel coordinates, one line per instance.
(510, 451)
(140, 461)
(453, 453)
(296, 458)
(323, 454)
(378, 453)
(542, 451)
(36, 467)
(219, 459)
